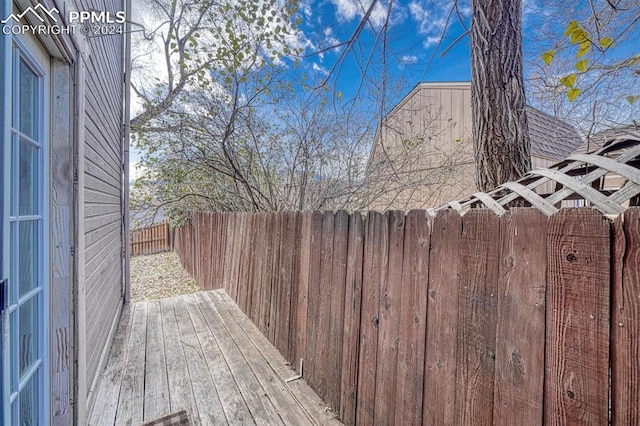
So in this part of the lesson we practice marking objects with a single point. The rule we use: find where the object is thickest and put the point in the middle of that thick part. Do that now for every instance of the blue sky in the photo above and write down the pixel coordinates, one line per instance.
(415, 31)
(419, 31)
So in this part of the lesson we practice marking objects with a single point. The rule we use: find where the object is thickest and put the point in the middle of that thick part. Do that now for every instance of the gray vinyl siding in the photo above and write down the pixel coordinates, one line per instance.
(103, 187)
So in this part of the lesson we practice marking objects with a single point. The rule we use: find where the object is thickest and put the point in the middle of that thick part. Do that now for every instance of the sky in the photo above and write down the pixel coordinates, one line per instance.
(426, 42)
(416, 30)
(426, 37)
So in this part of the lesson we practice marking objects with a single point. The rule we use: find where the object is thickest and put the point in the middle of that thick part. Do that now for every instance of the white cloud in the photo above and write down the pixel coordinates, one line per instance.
(417, 12)
(431, 19)
(409, 59)
(320, 69)
(306, 8)
(347, 10)
(432, 40)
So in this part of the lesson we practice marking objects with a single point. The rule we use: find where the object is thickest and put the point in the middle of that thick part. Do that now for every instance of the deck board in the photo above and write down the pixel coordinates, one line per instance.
(131, 397)
(156, 387)
(106, 404)
(206, 395)
(288, 410)
(200, 353)
(261, 408)
(235, 409)
(306, 398)
(180, 390)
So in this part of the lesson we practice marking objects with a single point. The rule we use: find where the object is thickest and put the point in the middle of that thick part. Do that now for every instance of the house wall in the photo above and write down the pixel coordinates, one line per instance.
(423, 155)
(103, 190)
(86, 211)
(541, 163)
(62, 229)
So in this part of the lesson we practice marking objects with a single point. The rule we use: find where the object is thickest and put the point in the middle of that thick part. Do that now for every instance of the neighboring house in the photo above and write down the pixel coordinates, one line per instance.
(423, 152)
(600, 139)
(611, 181)
(62, 206)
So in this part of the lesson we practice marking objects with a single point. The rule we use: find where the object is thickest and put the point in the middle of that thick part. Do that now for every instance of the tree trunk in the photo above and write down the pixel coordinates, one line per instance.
(500, 131)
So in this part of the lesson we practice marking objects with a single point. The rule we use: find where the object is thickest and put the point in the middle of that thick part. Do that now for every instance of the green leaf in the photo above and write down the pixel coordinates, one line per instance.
(570, 27)
(582, 65)
(568, 81)
(585, 46)
(632, 99)
(606, 42)
(547, 57)
(579, 36)
(573, 94)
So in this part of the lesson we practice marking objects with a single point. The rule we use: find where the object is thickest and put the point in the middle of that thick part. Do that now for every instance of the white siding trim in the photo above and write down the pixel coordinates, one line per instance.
(80, 336)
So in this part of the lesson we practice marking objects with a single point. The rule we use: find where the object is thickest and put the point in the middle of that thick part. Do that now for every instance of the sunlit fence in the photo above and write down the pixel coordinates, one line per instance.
(408, 319)
(151, 239)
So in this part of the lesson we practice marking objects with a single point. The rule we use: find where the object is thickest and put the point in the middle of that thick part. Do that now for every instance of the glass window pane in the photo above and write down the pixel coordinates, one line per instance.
(29, 403)
(13, 229)
(28, 179)
(28, 91)
(28, 256)
(28, 334)
(13, 343)
(15, 166)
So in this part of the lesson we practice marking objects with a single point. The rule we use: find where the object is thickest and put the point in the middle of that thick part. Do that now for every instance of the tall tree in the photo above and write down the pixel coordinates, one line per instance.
(500, 131)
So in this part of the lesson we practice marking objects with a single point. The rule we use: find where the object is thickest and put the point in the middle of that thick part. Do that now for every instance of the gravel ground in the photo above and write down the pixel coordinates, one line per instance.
(157, 276)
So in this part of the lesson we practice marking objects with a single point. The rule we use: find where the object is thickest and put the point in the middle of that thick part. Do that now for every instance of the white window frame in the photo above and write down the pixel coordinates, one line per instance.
(26, 48)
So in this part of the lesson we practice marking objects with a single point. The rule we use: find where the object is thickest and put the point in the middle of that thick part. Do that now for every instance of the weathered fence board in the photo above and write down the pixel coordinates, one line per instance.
(406, 319)
(323, 347)
(521, 318)
(413, 320)
(625, 347)
(270, 247)
(442, 319)
(389, 319)
(151, 239)
(337, 296)
(477, 312)
(577, 348)
(303, 289)
(374, 273)
(314, 289)
(259, 269)
(352, 308)
(295, 232)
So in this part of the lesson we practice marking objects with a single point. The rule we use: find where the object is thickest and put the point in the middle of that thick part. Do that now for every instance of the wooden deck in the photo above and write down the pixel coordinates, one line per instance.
(200, 353)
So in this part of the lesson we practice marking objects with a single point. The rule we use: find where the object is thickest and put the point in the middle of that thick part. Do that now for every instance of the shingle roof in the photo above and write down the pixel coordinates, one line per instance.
(551, 137)
(598, 140)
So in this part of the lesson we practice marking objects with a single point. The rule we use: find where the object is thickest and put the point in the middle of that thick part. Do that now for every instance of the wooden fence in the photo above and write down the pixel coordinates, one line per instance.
(152, 239)
(406, 319)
